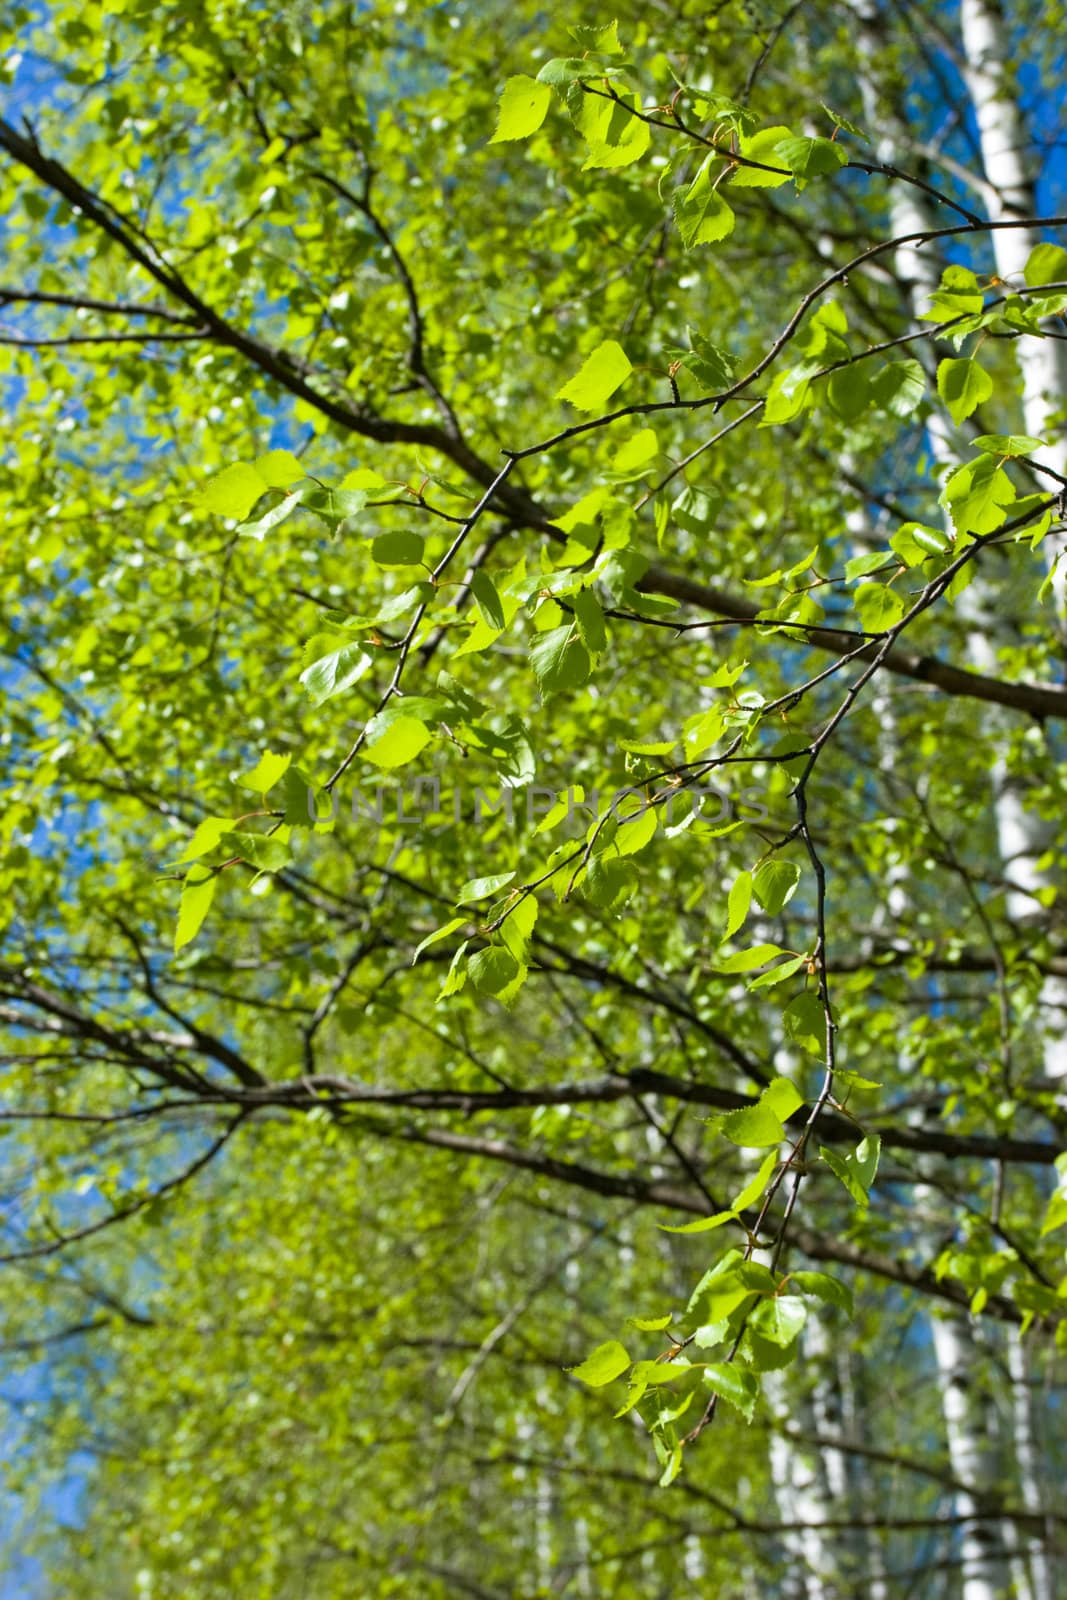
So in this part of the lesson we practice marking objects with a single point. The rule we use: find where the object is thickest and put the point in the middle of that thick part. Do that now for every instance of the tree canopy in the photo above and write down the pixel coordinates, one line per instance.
(533, 981)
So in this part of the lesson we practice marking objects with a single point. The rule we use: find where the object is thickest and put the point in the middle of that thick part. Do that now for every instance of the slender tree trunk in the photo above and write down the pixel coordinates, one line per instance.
(1005, 145)
(968, 1413)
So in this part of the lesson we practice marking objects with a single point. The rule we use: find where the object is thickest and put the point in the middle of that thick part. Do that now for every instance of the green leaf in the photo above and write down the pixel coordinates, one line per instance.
(266, 772)
(849, 392)
(856, 1170)
(637, 454)
(702, 215)
(823, 1287)
(603, 40)
(977, 495)
(778, 974)
(763, 1123)
(482, 888)
(279, 469)
(492, 970)
(671, 1469)
(1055, 1213)
(335, 506)
(780, 1319)
(487, 599)
(205, 838)
(607, 1362)
(650, 1324)
(589, 615)
(457, 973)
(860, 566)
(879, 607)
(232, 493)
(763, 1355)
(400, 549)
(696, 509)
(734, 1384)
(1046, 263)
(609, 882)
(787, 396)
(300, 802)
(393, 741)
(843, 122)
(756, 1186)
(598, 378)
(753, 1127)
(782, 1097)
(336, 671)
(198, 891)
(737, 903)
(711, 365)
(560, 660)
(636, 831)
(702, 1224)
(748, 960)
(898, 387)
(263, 853)
(774, 883)
(523, 107)
(805, 1023)
(1007, 444)
(959, 295)
(619, 138)
(809, 158)
(963, 385)
(761, 146)
(914, 543)
(517, 928)
(437, 934)
(273, 518)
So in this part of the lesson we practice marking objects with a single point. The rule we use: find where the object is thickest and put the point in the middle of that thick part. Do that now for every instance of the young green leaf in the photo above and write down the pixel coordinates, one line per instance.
(399, 549)
(702, 215)
(748, 960)
(523, 107)
(266, 772)
(856, 1170)
(560, 660)
(809, 158)
(492, 970)
(607, 1362)
(482, 888)
(879, 607)
(774, 883)
(735, 1384)
(761, 147)
(232, 492)
(589, 615)
(963, 385)
(394, 741)
(198, 891)
(823, 1287)
(805, 1023)
(487, 599)
(600, 374)
(1046, 263)
(737, 903)
(337, 670)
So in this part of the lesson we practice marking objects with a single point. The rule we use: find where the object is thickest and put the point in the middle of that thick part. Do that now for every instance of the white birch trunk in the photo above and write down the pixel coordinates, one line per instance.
(1005, 155)
(966, 1406)
(1041, 1583)
(1003, 138)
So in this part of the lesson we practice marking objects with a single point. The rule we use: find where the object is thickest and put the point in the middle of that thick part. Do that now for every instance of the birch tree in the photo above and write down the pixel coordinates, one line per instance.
(533, 706)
